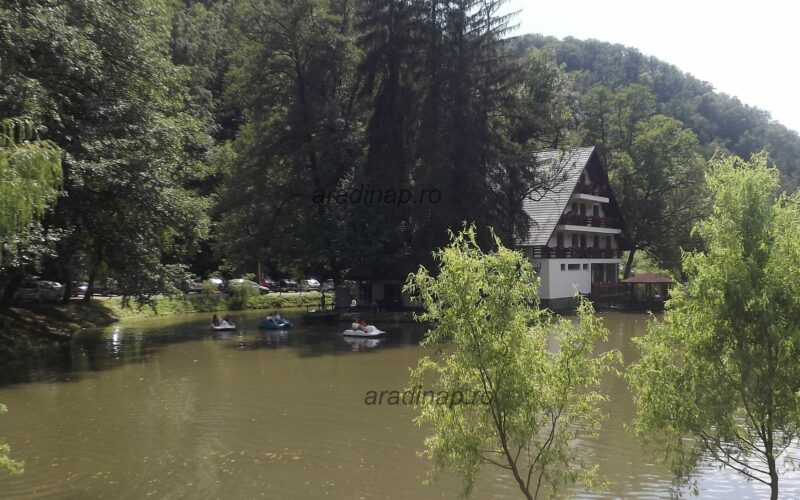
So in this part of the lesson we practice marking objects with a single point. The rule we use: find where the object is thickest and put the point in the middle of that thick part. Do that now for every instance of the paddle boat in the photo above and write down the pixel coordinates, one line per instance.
(368, 332)
(279, 324)
(223, 326)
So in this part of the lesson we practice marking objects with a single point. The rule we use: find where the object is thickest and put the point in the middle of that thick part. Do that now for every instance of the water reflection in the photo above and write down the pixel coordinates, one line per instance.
(361, 344)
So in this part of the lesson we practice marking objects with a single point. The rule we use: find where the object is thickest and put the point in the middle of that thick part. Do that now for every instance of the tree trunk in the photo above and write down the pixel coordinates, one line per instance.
(90, 285)
(773, 476)
(629, 264)
(11, 288)
(67, 288)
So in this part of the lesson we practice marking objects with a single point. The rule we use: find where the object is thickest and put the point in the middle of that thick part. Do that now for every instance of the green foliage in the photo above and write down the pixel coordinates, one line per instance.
(719, 121)
(99, 78)
(30, 178)
(658, 182)
(6, 463)
(241, 295)
(721, 368)
(163, 306)
(654, 166)
(492, 339)
(294, 73)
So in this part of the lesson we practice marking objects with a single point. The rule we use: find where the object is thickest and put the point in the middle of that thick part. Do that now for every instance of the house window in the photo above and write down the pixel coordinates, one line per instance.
(583, 208)
(583, 241)
(608, 241)
(596, 241)
(560, 240)
(573, 267)
(574, 240)
(562, 267)
(585, 267)
(595, 210)
(574, 208)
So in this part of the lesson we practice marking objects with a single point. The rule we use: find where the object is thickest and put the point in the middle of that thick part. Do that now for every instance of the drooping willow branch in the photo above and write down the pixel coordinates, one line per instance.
(30, 175)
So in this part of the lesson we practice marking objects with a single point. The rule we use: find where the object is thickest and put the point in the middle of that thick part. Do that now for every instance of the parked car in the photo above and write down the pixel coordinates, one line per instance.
(192, 287)
(40, 291)
(217, 282)
(269, 283)
(79, 288)
(327, 285)
(247, 283)
(310, 285)
(287, 285)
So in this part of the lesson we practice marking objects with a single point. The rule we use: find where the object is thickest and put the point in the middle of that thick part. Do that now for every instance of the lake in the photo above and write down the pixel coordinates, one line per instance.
(164, 408)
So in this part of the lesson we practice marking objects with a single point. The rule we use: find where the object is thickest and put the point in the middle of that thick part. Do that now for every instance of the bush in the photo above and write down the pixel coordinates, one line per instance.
(241, 297)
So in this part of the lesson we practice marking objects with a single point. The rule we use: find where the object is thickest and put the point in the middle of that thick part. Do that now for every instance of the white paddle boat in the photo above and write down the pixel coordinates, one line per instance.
(223, 326)
(368, 332)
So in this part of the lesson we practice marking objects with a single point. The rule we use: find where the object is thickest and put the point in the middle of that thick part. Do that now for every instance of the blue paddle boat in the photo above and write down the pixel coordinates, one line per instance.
(280, 324)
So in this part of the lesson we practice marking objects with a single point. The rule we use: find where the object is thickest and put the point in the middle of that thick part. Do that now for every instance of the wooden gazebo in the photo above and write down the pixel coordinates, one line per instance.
(656, 290)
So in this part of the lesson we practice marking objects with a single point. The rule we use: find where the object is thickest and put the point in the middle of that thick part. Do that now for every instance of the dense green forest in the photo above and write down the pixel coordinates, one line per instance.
(197, 136)
(718, 120)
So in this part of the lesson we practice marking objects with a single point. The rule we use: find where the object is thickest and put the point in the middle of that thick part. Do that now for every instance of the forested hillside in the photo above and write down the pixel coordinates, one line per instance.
(224, 136)
(718, 120)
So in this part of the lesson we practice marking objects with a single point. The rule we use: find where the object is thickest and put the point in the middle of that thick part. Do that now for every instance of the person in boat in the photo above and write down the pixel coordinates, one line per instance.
(227, 320)
(362, 325)
(215, 320)
(277, 316)
(271, 319)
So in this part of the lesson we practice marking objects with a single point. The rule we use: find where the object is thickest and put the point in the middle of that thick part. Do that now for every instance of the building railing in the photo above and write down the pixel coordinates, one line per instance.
(546, 252)
(595, 189)
(574, 219)
(608, 289)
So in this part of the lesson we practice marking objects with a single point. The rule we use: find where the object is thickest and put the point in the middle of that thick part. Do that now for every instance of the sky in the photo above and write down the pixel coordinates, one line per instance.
(744, 49)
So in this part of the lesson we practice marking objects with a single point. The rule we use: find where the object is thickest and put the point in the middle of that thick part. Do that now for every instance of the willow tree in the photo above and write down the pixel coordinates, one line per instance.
(10, 465)
(503, 397)
(721, 368)
(30, 177)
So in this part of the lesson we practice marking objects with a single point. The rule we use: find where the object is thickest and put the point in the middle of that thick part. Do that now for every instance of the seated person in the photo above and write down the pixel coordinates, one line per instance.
(227, 320)
(215, 320)
(362, 325)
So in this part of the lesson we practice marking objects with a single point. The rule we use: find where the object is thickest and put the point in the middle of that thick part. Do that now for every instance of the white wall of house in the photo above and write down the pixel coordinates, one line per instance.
(557, 284)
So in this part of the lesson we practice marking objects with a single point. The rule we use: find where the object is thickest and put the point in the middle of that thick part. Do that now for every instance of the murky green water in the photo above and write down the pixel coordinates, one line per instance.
(163, 408)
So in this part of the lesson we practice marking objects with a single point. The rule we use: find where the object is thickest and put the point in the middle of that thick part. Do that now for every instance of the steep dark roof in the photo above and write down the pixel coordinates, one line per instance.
(545, 210)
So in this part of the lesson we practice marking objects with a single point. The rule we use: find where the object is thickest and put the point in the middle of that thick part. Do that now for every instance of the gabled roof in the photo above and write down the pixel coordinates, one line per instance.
(545, 210)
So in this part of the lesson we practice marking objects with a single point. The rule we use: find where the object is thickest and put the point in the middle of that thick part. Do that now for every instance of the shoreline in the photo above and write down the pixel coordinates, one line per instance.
(31, 327)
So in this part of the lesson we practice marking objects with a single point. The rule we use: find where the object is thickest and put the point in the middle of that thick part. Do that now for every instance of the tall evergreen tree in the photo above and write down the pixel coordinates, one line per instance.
(294, 76)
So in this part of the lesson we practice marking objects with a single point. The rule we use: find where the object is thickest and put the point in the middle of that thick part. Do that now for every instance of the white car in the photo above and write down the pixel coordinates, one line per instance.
(310, 284)
(40, 291)
(247, 283)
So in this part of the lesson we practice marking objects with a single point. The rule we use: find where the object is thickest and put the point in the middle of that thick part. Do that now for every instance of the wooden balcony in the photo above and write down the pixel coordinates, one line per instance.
(594, 189)
(573, 219)
(546, 252)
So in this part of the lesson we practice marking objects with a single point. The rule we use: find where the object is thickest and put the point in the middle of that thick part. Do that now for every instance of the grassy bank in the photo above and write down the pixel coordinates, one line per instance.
(212, 302)
(32, 327)
(37, 326)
